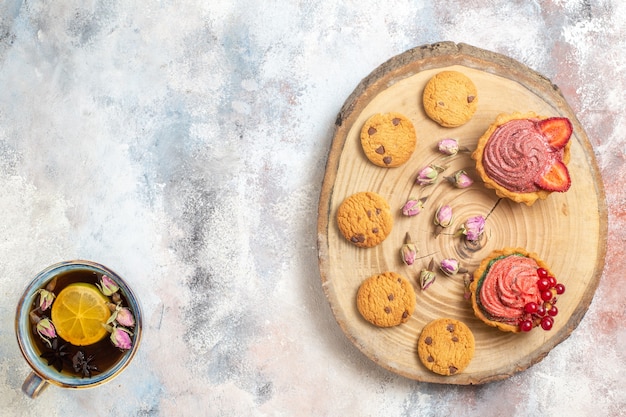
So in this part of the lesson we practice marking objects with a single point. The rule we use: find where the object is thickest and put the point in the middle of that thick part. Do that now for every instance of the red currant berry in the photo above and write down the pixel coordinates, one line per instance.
(542, 273)
(552, 281)
(546, 295)
(543, 284)
(526, 326)
(541, 311)
(560, 288)
(547, 323)
(531, 307)
(553, 311)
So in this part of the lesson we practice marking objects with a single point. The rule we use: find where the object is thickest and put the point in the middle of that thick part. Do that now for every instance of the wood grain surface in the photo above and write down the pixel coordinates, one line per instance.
(568, 230)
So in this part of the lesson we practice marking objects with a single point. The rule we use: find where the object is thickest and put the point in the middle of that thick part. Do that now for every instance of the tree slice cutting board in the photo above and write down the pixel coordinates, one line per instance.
(567, 230)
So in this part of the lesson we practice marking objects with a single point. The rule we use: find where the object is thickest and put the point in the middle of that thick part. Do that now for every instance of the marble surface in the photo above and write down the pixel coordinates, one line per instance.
(183, 143)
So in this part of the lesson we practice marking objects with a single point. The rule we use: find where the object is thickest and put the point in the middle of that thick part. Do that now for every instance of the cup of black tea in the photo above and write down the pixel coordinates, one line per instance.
(78, 325)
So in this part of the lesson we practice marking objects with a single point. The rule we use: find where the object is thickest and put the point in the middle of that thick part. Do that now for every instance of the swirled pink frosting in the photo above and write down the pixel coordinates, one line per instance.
(508, 286)
(517, 154)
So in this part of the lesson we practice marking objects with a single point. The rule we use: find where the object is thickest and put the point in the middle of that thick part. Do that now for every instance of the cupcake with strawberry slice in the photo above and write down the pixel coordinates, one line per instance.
(523, 156)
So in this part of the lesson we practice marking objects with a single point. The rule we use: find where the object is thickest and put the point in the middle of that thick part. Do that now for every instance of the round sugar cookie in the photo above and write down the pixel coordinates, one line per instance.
(388, 139)
(386, 299)
(365, 219)
(446, 346)
(450, 98)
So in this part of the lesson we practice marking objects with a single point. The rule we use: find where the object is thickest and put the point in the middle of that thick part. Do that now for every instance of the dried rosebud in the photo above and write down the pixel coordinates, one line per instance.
(443, 216)
(121, 338)
(427, 278)
(449, 266)
(473, 228)
(107, 286)
(408, 252)
(45, 299)
(413, 206)
(448, 146)
(460, 179)
(46, 330)
(427, 275)
(428, 175)
(125, 317)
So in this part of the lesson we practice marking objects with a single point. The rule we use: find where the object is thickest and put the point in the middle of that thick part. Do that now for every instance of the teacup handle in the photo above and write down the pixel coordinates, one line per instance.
(33, 385)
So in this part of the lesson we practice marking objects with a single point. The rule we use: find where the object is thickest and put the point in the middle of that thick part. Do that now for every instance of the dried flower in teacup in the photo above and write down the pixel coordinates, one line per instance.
(413, 206)
(45, 299)
(120, 338)
(107, 286)
(443, 218)
(473, 228)
(460, 179)
(408, 252)
(429, 174)
(448, 146)
(427, 276)
(122, 315)
(125, 317)
(46, 330)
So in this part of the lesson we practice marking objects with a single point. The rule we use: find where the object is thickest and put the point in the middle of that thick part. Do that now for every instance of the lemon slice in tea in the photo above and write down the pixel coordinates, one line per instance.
(79, 314)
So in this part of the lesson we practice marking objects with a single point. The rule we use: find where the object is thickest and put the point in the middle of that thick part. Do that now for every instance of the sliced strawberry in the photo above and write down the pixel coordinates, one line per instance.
(556, 130)
(556, 178)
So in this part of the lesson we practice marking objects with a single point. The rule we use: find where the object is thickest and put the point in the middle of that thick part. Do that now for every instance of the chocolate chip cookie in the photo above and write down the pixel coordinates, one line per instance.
(386, 299)
(446, 346)
(450, 98)
(388, 139)
(365, 219)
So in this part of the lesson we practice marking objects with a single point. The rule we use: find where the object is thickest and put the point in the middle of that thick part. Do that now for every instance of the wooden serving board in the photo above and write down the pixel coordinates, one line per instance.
(567, 230)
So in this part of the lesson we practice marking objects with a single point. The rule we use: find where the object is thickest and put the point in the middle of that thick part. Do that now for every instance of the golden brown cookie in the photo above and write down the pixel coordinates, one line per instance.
(365, 219)
(388, 139)
(450, 98)
(446, 346)
(386, 299)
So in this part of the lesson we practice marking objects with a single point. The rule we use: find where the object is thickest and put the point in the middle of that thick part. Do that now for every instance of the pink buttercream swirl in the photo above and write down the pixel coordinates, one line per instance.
(517, 154)
(508, 286)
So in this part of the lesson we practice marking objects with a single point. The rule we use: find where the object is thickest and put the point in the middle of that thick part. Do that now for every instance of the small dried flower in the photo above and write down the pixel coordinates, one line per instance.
(408, 252)
(413, 206)
(122, 315)
(473, 228)
(428, 175)
(443, 216)
(125, 317)
(121, 338)
(45, 299)
(449, 266)
(46, 330)
(448, 146)
(460, 179)
(427, 276)
(107, 286)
